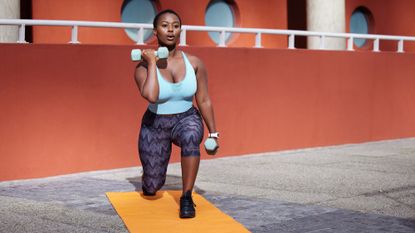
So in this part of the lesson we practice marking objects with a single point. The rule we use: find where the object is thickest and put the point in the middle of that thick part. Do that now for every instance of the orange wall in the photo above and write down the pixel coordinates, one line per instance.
(72, 108)
(268, 14)
(390, 18)
(86, 10)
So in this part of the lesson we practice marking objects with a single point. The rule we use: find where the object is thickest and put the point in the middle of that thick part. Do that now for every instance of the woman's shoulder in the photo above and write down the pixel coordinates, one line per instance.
(194, 60)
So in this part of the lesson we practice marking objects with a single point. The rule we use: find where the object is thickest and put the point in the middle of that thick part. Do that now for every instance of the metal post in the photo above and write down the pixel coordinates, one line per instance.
(140, 36)
(291, 41)
(222, 39)
(74, 35)
(376, 45)
(258, 40)
(400, 46)
(22, 34)
(183, 38)
(350, 42)
(322, 40)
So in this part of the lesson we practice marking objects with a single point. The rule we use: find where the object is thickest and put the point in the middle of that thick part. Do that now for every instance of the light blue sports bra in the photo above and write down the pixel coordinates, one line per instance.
(175, 97)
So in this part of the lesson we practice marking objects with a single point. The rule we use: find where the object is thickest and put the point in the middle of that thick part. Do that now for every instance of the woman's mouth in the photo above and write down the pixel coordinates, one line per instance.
(170, 37)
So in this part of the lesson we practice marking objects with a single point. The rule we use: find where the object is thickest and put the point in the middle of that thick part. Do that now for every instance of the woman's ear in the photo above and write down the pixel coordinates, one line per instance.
(155, 32)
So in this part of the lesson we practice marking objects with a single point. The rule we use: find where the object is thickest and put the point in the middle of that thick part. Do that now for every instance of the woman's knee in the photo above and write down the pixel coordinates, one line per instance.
(151, 185)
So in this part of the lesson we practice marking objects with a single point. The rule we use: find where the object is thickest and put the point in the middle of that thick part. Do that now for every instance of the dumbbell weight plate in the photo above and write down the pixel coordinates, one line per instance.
(136, 54)
(162, 52)
(211, 146)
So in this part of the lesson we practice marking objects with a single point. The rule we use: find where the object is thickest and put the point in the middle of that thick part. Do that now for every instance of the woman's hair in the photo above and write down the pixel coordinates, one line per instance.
(168, 11)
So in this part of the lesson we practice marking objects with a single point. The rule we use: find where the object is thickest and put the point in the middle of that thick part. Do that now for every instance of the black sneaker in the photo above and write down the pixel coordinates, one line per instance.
(187, 207)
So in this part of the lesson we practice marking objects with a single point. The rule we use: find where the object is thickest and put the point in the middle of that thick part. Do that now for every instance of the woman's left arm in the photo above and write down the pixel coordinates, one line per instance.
(202, 96)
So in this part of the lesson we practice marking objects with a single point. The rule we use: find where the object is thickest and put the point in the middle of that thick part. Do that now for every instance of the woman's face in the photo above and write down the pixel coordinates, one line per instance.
(168, 29)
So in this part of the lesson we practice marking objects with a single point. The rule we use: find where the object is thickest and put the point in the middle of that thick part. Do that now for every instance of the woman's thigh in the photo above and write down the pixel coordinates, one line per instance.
(154, 150)
(188, 134)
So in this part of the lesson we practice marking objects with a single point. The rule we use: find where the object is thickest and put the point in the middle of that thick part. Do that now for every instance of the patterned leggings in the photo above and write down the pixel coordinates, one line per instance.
(157, 134)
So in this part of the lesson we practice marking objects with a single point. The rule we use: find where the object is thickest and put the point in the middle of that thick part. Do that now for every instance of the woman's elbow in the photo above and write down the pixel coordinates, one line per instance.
(204, 102)
(150, 98)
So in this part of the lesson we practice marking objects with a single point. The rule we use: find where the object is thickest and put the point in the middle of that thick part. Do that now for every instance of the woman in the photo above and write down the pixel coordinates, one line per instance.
(169, 86)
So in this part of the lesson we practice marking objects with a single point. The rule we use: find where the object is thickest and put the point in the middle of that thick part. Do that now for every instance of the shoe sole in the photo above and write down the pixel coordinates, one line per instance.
(187, 215)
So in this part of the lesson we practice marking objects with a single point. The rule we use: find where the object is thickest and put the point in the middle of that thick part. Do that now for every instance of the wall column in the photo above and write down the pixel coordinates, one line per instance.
(326, 16)
(9, 9)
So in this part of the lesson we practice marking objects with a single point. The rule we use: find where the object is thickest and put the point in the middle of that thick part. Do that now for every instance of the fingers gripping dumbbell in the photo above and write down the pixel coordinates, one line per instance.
(161, 52)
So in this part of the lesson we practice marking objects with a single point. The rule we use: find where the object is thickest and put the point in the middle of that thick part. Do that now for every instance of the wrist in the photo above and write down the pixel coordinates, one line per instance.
(213, 135)
(151, 62)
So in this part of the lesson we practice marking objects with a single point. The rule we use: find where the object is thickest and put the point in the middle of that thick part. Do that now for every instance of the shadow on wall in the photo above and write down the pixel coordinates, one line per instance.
(297, 20)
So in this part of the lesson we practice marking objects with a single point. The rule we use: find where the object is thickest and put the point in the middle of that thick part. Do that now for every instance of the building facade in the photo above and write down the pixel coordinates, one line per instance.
(358, 16)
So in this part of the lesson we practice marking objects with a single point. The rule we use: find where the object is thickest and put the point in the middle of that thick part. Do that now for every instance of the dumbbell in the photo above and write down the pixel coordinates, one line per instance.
(211, 146)
(161, 52)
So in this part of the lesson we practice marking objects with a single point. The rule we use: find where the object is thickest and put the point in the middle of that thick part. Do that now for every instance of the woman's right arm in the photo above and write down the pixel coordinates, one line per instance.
(146, 76)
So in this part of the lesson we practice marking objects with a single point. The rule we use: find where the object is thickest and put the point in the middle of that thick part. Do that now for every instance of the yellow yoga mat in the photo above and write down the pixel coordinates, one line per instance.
(160, 213)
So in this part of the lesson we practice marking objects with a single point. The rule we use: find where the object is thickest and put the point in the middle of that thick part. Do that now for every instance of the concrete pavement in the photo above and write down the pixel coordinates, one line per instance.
(367, 187)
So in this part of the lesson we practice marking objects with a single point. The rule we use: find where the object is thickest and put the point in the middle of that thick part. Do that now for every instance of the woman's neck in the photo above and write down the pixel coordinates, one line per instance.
(172, 51)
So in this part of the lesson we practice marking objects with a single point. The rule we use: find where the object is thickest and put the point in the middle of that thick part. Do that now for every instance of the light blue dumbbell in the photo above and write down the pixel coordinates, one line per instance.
(211, 146)
(161, 52)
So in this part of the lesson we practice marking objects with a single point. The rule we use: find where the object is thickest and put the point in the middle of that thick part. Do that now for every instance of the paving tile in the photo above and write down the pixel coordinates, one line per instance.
(77, 202)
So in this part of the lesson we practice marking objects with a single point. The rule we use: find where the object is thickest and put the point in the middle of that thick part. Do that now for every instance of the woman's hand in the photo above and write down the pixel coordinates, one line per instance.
(149, 56)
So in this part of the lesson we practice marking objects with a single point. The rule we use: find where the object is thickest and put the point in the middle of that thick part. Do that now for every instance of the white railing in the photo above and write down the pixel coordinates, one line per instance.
(22, 23)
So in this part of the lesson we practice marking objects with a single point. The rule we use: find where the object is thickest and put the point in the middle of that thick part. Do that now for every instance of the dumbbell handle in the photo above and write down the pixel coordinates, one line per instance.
(161, 52)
